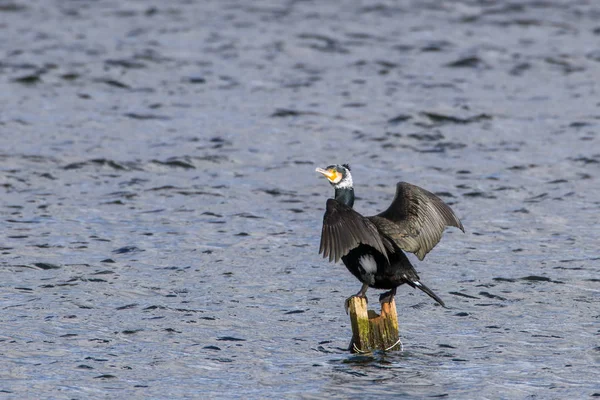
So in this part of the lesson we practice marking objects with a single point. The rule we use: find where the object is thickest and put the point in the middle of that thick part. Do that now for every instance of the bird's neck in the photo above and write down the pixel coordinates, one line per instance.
(345, 195)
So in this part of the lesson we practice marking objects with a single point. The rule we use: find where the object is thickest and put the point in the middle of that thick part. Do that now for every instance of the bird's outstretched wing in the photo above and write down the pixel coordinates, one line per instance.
(345, 229)
(416, 219)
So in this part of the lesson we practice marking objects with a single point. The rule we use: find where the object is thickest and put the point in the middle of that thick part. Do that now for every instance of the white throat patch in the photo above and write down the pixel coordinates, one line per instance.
(345, 183)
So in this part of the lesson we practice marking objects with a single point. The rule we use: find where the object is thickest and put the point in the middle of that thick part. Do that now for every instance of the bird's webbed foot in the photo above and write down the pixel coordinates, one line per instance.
(361, 293)
(347, 301)
(387, 297)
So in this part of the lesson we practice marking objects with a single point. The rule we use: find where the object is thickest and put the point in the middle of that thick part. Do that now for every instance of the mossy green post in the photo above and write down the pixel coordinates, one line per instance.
(371, 331)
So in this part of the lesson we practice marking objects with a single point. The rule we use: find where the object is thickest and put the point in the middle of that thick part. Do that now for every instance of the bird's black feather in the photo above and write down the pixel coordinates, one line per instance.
(416, 219)
(372, 247)
(345, 229)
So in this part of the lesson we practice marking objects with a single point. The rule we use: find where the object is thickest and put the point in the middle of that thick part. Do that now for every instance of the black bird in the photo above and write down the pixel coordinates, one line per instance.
(372, 247)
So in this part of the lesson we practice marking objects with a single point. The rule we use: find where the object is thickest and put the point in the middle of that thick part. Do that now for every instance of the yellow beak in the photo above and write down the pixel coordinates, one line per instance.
(329, 173)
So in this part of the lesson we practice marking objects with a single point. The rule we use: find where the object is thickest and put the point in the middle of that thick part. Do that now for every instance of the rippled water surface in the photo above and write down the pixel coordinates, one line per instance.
(161, 215)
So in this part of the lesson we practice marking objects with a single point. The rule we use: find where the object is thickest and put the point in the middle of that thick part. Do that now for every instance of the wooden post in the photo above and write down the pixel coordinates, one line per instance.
(371, 331)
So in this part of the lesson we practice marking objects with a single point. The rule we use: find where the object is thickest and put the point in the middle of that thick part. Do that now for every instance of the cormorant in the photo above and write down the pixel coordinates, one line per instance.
(372, 247)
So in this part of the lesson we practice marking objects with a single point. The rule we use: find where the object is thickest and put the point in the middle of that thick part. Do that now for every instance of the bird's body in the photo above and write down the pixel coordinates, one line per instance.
(372, 247)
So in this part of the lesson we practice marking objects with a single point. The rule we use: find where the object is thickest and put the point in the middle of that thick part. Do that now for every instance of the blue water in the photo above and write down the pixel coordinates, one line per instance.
(161, 215)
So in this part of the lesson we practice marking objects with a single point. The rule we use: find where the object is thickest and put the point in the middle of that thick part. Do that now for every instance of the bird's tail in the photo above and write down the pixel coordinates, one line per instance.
(429, 292)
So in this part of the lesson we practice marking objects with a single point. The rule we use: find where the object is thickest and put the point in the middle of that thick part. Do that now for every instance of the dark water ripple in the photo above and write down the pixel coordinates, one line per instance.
(160, 212)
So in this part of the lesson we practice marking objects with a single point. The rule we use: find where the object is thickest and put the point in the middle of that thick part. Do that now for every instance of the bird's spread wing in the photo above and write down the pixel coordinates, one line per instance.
(345, 229)
(416, 219)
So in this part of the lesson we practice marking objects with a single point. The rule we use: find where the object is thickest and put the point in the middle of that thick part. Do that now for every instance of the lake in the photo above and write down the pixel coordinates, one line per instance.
(161, 215)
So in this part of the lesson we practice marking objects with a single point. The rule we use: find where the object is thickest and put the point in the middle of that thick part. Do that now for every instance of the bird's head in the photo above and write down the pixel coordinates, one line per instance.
(338, 175)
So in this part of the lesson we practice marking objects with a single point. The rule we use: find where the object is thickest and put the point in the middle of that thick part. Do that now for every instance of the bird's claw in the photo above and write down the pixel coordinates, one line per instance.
(347, 302)
(386, 297)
